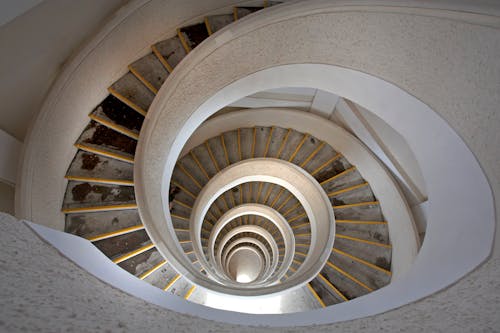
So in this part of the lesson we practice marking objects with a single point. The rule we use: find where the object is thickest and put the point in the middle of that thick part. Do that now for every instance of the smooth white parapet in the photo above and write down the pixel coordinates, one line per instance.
(252, 209)
(267, 258)
(298, 182)
(402, 231)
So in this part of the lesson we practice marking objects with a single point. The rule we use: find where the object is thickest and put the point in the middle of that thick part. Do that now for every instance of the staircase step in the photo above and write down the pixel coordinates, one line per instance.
(104, 141)
(217, 152)
(342, 180)
(216, 22)
(240, 12)
(125, 246)
(362, 211)
(231, 143)
(99, 169)
(132, 92)
(150, 270)
(347, 284)
(373, 232)
(184, 180)
(138, 264)
(118, 116)
(372, 278)
(327, 296)
(334, 291)
(170, 52)
(90, 225)
(316, 295)
(192, 36)
(378, 256)
(353, 194)
(150, 71)
(160, 277)
(205, 163)
(331, 168)
(86, 194)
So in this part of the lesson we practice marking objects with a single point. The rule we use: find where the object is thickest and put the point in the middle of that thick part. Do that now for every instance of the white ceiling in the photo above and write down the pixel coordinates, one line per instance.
(36, 38)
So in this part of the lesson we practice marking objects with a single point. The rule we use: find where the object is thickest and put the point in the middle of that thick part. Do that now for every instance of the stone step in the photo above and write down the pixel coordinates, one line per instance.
(150, 71)
(376, 255)
(117, 248)
(192, 35)
(91, 225)
(170, 52)
(118, 116)
(87, 194)
(139, 263)
(216, 22)
(101, 140)
(100, 169)
(240, 12)
(328, 296)
(373, 278)
(132, 92)
(347, 284)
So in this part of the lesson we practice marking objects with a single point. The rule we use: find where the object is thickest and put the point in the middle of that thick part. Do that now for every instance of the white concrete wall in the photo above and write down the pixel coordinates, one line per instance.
(43, 291)
(35, 45)
(10, 153)
(7, 194)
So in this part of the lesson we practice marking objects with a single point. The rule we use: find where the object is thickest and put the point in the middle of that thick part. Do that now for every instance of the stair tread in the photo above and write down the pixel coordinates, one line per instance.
(140, 263)
(93, 224)
(103, 138)
(87, 194)
(244, 11)
(118, 246)
(171, 50)
(367, 212)
(133, 92)
(344, 284)
(218, 22)
(373, 278)
(194, 34)
(93, 166)
(151, 70)
(378, 256)
(327, 296)
(162, 276)
(372, 232)
(118, 116)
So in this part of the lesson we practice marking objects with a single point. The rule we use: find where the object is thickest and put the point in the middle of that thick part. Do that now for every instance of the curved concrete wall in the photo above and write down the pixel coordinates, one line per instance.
(446, 59)
(345, 60)
(27, 306)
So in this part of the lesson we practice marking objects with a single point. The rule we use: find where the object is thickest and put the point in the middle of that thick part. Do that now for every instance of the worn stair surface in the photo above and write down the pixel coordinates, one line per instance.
(100, 202)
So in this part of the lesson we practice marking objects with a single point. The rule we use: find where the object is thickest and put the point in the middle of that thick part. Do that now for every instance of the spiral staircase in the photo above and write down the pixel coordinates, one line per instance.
(100, 201)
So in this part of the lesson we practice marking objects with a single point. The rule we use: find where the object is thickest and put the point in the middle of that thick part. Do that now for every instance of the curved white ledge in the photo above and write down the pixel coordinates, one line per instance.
(450, 170)
(246, 248)
(453, 83)
(259, 210)
(259, 231)
(298, 182)
(259, 244)
(403, 235)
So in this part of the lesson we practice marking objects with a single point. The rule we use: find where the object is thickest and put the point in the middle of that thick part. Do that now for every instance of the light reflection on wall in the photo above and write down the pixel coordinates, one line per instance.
(257, 305)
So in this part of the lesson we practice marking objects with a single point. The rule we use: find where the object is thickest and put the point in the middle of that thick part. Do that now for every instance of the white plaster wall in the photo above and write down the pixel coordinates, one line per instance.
(398, 148)
(10, 153)
(43, 291)
(35, 45)
(454, 177)
(7, 193)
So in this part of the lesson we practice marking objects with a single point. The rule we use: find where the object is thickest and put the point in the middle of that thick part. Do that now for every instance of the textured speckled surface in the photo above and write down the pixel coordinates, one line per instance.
(45, 292)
